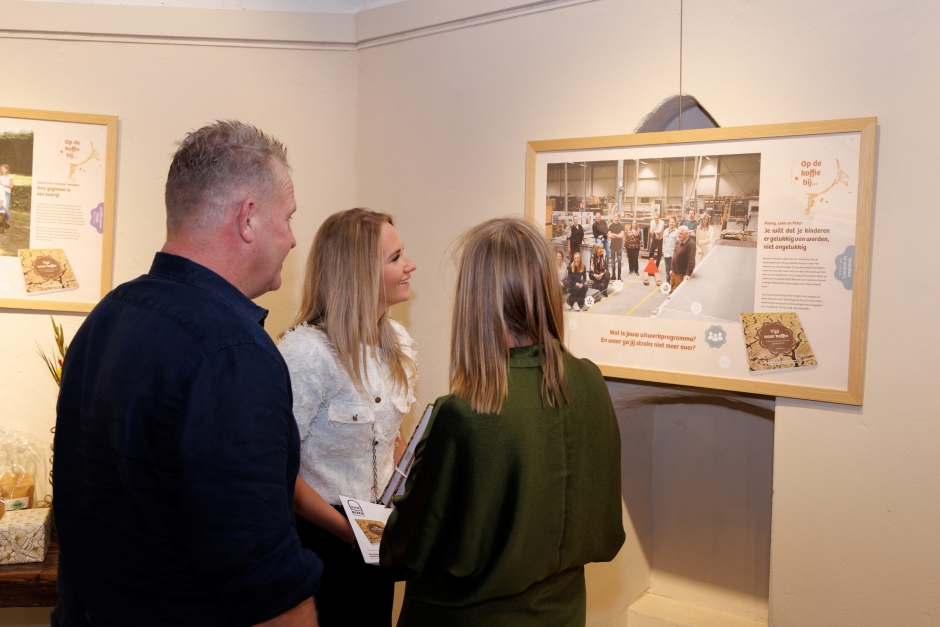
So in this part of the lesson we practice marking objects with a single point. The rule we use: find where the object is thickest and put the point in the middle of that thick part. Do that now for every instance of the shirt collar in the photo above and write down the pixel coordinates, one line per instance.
(186, 271)
(524, 357)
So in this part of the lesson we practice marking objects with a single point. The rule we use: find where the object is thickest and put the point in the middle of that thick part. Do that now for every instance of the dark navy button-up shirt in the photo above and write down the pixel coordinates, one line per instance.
(176, 453)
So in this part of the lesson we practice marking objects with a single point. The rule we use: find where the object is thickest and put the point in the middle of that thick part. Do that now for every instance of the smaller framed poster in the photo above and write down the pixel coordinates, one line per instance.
(726, 258)
(57, 181)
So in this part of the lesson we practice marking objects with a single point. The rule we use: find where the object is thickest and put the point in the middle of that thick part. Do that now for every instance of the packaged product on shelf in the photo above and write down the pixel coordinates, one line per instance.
(17, 490)
(25, 535)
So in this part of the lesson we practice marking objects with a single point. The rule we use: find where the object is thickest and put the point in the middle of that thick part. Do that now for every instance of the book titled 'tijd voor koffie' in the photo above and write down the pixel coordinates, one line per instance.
(46, 270)
(776, 341)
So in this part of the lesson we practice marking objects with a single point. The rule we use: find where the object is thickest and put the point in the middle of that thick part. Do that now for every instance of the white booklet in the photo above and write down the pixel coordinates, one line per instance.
(368, 524)
(396, 485)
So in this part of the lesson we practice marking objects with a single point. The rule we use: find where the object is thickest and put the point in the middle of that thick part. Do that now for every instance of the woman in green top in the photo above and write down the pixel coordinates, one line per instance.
(516, 484)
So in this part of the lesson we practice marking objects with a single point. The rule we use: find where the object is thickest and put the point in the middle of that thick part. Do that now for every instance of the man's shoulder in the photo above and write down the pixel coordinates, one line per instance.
(183, 312)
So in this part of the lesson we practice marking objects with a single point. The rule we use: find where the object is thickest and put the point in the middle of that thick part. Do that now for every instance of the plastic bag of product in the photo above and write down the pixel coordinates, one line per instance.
(24, 470)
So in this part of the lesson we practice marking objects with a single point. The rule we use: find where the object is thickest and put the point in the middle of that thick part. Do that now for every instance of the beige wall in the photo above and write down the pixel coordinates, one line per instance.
(433, 129)
(306, 98)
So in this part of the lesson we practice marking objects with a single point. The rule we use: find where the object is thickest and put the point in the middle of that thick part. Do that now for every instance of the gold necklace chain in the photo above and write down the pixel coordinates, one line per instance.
(375, 469)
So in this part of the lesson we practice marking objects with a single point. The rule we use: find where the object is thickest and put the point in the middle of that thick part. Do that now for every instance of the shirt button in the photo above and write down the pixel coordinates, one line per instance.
(356, 417)
(378, 399)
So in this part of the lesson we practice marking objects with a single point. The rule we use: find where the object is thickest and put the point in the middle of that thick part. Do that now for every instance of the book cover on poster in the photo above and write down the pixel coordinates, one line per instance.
(46, 270)
(775, 341)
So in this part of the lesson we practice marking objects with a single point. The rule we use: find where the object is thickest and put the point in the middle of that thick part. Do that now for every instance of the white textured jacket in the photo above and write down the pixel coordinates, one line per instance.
(337, 423)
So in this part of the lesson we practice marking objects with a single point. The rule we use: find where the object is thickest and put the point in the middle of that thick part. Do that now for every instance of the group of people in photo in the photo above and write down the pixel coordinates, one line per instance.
(199, 465)
(681, 244)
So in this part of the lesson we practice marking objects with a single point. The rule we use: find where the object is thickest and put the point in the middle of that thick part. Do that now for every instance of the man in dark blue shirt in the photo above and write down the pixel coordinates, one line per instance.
(176, 447)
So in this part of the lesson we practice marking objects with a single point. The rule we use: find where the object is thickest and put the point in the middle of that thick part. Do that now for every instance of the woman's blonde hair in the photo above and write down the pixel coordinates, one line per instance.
(506, 287)
(580, 266)
(598, 250)
(343, 285)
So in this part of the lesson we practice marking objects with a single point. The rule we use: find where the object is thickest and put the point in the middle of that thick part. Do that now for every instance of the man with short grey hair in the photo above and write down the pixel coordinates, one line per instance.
(683, 259)
(176, 447)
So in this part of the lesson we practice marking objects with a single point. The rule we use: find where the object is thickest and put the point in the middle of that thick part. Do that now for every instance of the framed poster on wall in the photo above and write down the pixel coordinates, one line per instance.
(778, 220)
(57, 180)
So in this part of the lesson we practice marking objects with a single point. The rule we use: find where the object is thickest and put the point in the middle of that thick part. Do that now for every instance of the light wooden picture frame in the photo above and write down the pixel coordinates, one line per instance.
(804, 218)
(56, 254)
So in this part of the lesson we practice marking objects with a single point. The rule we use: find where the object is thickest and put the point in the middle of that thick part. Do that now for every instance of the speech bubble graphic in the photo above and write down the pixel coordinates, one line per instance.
(97, 218)
(845, 265)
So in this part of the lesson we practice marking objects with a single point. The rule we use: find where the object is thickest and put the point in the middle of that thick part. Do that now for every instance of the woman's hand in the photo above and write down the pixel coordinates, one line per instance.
(314, 508)
(400, 446)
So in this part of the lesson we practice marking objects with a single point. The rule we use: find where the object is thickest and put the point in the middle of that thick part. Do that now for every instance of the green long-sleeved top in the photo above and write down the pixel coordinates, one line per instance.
(501, 512)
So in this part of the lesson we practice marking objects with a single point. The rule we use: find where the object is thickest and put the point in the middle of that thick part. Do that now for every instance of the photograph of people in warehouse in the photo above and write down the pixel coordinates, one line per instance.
(699, 210)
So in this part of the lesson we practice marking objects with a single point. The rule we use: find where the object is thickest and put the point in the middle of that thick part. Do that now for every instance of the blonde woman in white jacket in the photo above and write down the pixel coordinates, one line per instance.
(705, 236)
(353, 373)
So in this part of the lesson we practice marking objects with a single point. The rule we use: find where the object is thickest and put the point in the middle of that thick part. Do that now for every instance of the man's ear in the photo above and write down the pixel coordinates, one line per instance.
(246, 217)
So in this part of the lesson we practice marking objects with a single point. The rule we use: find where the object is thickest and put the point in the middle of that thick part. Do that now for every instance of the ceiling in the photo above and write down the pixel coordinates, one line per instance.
(298, 6)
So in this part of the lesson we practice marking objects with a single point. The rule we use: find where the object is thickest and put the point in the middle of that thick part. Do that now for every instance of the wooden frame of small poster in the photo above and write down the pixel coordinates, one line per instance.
(57, 217)
(776, 299)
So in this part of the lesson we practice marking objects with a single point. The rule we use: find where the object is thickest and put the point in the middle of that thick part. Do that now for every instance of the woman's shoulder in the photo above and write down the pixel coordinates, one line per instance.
(400, 330)
(307, 342)
(582, 368)
(454, 419)
(407, 343)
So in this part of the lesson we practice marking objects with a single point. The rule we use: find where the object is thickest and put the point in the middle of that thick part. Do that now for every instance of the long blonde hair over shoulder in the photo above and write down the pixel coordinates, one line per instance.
(506, 286)
(341, 292)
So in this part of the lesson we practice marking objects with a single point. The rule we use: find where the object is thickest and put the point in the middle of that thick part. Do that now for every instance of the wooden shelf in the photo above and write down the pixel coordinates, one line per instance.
(31, 585)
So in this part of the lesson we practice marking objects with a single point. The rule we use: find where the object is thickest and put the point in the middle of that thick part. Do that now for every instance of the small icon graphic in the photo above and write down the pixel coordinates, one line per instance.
(724, 362)
(715, 337)
(696, 308)
(665, 288)
(355, 508)
(588, 302)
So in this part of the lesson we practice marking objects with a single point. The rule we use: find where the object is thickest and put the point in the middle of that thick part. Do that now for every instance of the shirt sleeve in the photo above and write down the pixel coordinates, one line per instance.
(238, 460)
(308, 362)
